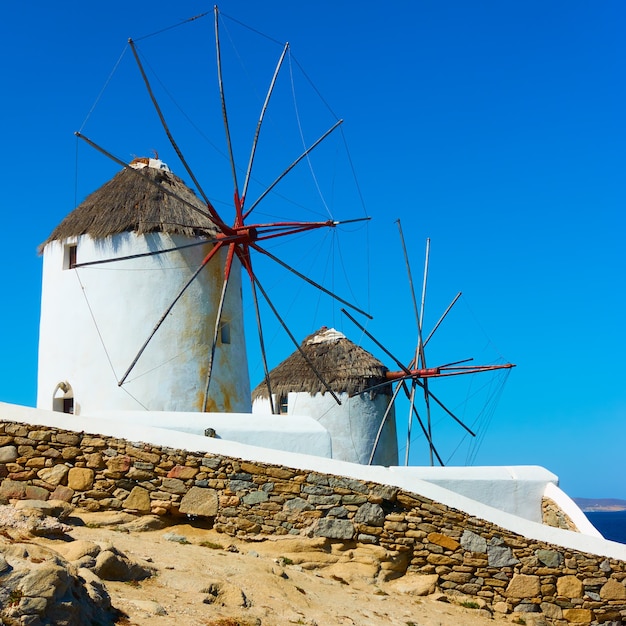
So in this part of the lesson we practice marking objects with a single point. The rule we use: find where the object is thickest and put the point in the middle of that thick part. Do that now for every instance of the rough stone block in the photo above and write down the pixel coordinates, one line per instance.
(569, 587)
(13, 489)
(613, 590)
(119, 464)
(148, 457)
(139, 475)
(62, 493)
(36, 493)
(395, 527)
(68, 439)
(255, 497)
(17, 430)
(473, 542)
(93, 442)
(200, 501)
(444, 541)
(80, 478)
(69, 453)
(370, 515)
(550, 558)
(173, 485)
(40, 435)
(352, 498)
(297, 505)
(334, 529)
(523, 586)
(54, 475)
(182, 472)
(36, 462)
(95, 460)
(578, 616)
(501, 556)
(138, 500)
(553, 611)
(349, 484)
(8, 454)
(440, 559)
(324, 500)
(283, 473)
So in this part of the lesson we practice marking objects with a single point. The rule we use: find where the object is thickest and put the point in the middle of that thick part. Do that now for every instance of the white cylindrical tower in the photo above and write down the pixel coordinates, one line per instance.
(95, 318)
(349, 371)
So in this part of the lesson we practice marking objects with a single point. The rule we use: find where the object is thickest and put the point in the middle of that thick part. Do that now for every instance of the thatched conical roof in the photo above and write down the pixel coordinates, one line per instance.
(344, 366)
(130, 203)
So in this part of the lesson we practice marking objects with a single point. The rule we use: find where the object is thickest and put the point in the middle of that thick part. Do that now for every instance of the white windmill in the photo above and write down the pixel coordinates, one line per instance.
(141, 303)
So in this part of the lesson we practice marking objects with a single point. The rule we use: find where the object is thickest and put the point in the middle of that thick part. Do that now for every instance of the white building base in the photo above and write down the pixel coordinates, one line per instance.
(293, 433)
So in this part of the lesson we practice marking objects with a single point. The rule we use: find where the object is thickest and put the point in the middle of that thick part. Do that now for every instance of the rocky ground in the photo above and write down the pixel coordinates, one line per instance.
(59, 566)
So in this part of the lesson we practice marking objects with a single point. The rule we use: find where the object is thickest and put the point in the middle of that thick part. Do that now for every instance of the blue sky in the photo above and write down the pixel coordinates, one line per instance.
(496, 129)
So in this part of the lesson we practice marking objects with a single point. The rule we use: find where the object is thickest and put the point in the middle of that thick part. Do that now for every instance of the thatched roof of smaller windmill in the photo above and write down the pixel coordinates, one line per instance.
(130, 202)
(342, 364)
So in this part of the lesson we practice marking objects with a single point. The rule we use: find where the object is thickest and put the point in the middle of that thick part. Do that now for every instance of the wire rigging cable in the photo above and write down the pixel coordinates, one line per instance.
(106, 84)
(308, 156)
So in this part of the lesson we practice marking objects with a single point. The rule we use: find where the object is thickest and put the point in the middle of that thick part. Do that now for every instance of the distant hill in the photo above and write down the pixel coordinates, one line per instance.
(601, 504)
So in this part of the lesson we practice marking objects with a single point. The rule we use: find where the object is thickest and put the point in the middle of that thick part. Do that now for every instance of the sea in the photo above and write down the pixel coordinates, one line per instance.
(612, 524)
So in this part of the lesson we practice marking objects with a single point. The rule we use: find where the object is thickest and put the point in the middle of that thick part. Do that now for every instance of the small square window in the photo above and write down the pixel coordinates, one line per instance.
(283, 405)
(69, 256)
(225, 332)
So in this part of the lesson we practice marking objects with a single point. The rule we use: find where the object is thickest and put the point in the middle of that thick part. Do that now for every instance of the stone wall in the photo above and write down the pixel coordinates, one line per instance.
(502, 570)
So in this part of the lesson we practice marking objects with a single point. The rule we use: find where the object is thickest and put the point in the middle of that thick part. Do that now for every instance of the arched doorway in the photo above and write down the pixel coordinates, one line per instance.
(63, 398)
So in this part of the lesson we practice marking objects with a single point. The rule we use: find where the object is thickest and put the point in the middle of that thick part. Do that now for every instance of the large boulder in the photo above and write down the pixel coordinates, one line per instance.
(111, 564)
(38, 586)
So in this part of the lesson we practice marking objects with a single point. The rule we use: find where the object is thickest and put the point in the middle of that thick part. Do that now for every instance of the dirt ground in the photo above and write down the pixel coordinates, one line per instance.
(204, 578)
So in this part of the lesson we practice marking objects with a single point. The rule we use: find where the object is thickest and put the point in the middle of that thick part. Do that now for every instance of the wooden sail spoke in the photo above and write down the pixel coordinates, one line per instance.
(291, 166)
(440, 320)
(429, 425)
(260, 122)
(266, 370)
(382, 424)
(447, 410)
(158, 325)
(139, 255)
(218, 322)
(167, 130)
(309, 280)
(399, 363)
(294, 341)
(225, 111)
(428, 437)
(410, 421)
(211, 214)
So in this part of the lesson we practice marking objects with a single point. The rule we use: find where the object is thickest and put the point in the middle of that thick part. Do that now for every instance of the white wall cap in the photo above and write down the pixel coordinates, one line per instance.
(571, 509)
(196, 422)
(491, 473)
(278, 432)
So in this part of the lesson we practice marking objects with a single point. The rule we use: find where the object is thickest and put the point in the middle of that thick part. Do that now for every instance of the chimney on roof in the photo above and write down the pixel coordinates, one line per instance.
(141, 162)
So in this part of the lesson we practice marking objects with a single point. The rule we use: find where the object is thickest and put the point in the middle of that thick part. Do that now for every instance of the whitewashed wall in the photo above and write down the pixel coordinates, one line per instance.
(513, 489)
(278, 432)
(95, 319)
(353, 425)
